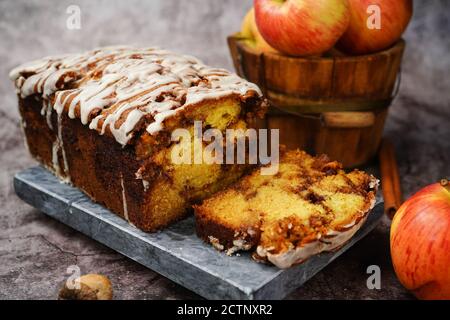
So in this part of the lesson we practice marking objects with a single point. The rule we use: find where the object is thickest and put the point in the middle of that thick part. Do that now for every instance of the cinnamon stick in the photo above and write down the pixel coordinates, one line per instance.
(390, 178)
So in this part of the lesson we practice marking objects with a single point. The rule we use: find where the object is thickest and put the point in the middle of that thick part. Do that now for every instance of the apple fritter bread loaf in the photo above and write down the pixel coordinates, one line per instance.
(102, 121)
(311, 205)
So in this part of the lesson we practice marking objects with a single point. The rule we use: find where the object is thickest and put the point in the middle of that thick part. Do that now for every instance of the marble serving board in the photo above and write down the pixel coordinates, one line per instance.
(175, 252)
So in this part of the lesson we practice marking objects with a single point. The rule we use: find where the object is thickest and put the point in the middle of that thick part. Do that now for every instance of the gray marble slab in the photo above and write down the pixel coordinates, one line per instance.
(175, 252)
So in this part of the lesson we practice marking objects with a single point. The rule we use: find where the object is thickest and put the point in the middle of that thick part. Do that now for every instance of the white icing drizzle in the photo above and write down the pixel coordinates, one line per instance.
(239, 245)
(23, 125)
(124, 199)
(116, 88)
(55, 159)
(61, 148)
(47, 112)
(58, 146)
(215, 243)
(145, 183)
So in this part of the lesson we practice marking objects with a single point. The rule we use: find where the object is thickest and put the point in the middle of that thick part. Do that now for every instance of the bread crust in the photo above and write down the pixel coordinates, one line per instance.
(223, 236)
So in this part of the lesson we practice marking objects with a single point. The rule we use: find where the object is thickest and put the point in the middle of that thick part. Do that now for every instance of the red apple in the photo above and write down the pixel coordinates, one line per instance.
(302, 27)
(420, 242)
(251, 35)
(375, 25)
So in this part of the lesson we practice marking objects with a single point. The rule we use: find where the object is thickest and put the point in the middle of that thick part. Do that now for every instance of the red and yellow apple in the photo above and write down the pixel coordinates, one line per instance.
(420, 242)
(375, 25)
(302, 27)
(251, 35)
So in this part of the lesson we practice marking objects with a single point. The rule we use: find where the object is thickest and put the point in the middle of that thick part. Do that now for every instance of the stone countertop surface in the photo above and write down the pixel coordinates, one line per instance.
(35, 251)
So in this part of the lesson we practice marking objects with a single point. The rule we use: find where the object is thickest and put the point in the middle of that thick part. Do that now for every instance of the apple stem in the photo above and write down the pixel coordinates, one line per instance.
(445, 183)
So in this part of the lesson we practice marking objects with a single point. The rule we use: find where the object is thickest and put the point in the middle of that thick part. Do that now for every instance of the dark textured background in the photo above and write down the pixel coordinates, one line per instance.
(35, 250)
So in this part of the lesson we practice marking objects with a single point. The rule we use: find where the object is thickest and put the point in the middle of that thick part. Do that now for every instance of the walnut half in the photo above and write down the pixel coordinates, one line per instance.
(88, 287)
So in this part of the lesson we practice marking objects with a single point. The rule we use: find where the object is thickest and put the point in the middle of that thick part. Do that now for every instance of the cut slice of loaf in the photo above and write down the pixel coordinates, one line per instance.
(311, 205)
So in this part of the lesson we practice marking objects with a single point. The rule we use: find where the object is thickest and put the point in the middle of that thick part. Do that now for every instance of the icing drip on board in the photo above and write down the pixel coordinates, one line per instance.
(117, 88)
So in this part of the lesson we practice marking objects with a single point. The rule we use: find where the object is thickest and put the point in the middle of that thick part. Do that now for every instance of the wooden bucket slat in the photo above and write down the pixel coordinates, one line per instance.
(303, 78)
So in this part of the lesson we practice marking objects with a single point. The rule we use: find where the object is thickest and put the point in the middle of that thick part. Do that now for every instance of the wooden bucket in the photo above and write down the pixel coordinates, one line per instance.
(333, 104)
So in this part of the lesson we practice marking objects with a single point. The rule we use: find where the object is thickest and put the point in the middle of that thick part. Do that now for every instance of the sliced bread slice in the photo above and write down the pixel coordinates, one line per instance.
(311, 205)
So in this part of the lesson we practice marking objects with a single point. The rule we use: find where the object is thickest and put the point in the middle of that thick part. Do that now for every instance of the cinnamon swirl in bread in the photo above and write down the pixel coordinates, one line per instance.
(102, 121)
(310, 206)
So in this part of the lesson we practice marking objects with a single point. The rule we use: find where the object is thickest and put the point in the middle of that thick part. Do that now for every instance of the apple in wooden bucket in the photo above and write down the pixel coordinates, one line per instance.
(251, 35)
(420, 242)
(302, 27)
(375, 25)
